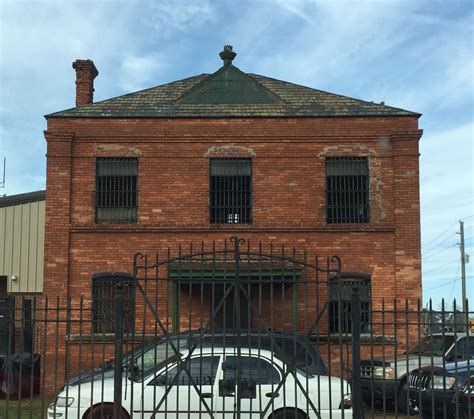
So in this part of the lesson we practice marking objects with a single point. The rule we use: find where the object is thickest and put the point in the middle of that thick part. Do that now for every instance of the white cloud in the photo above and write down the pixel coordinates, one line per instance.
(299, 8)
(447, 195)
(447, 175)
(138, 72)
(181, 15)
(410, 54)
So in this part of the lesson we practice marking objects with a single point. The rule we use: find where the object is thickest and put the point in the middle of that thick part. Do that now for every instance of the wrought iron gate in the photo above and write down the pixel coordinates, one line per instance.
(236, 330)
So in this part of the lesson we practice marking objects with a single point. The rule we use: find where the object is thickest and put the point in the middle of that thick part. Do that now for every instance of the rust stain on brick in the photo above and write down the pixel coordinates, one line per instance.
(118, 147)
(408, 174)
(230, 149)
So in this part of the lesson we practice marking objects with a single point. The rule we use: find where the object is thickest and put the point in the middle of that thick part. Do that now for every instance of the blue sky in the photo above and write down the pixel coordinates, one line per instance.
(416, 55)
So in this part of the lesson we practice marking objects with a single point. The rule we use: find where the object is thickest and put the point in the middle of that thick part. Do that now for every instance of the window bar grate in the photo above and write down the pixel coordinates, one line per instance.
(103, 305)
(230, 191)
(347, 190)
(116, 190)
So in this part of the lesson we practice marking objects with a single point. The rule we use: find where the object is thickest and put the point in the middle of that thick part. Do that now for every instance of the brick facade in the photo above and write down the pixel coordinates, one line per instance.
(289, 194)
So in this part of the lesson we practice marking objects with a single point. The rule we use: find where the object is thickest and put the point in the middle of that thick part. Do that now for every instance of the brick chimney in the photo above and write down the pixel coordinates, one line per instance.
(85, 75)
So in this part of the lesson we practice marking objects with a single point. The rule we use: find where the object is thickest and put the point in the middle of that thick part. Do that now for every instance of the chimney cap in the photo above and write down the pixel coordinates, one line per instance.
(86, 64)
(227, 55)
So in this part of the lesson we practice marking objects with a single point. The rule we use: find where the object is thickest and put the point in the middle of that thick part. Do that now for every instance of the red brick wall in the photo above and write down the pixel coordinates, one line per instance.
(288, 194)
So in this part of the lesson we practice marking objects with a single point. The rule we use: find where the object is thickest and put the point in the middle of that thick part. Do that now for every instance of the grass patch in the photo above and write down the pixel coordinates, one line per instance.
(24, 409)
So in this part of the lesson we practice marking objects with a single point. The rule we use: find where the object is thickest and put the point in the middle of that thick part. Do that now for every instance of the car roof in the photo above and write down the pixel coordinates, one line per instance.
(230, 351)
(235, 332)
(451, 334)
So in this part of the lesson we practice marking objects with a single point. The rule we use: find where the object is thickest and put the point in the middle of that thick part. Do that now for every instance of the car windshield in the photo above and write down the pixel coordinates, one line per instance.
(157, 354)
(432, 345)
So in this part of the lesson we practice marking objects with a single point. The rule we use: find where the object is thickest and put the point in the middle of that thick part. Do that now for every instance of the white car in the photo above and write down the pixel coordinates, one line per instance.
(205, 383)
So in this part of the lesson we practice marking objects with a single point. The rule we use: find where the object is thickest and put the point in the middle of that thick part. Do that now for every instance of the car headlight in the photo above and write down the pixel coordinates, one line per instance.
(346, 402)
(468, 388)
(64, 401)
(383, 372)
(440, 382)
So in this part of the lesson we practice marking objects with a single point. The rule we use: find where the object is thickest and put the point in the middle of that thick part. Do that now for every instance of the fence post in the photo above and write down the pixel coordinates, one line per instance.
(118, 371)
(355, 320)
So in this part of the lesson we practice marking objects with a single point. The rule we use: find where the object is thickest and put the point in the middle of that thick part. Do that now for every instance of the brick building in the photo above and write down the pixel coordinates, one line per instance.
(231, 153)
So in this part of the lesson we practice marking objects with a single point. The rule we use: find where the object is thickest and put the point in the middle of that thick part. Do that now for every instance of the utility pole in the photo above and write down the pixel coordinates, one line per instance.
(2, 180)
(463, 267)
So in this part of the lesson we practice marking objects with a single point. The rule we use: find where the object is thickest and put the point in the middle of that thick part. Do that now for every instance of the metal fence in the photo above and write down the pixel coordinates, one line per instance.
(234, 332)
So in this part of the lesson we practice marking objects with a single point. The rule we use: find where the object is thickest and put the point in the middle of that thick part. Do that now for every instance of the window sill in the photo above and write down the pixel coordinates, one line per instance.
(365, 338)
(259, 227)
(108, 338)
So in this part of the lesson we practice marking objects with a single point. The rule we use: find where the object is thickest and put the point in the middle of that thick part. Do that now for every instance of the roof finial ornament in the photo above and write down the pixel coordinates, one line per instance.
(227, 55)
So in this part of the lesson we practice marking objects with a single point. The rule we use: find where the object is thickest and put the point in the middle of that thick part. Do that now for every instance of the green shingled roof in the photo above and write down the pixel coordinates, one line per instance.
(230, 93)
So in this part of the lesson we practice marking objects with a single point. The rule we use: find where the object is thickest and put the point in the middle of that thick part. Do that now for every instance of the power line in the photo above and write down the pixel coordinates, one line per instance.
(440, 234)
(442, 285)
(427, 252)
(430, 255)
(440, 267)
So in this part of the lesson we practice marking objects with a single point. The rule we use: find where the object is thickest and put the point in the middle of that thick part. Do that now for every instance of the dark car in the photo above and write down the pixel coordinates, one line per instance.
(435, 390)
(293, 349)
(386, 378)
(464, 398)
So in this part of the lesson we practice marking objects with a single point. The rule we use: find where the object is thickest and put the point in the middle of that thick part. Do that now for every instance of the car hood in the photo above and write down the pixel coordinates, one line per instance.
(403, 364)
(461, 369)
(94, 390)
(105, 372)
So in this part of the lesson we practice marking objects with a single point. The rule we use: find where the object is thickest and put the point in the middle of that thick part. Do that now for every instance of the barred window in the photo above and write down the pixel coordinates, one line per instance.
(104, 288)
(340, 305)
(116, 190)
(347, 190)
(230, 191)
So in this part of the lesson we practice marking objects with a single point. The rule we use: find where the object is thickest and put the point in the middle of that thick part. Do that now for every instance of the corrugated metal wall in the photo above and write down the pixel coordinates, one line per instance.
(22, 246)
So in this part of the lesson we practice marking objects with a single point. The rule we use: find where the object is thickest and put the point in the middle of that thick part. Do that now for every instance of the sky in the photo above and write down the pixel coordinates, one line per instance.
(416, 55)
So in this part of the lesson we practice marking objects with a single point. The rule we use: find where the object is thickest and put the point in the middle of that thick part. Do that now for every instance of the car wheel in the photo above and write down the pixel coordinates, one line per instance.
(105, 411)
(288, 414)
